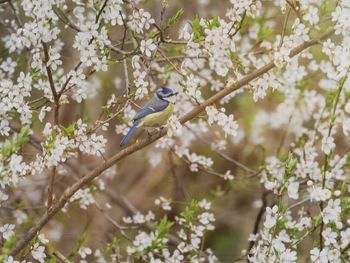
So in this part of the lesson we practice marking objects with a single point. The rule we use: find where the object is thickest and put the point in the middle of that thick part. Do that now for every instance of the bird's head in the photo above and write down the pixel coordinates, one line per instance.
(166, 94)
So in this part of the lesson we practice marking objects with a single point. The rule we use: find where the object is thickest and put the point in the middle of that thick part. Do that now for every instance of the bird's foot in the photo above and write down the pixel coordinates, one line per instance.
(161, 128)
(149, 135)
(154, 131)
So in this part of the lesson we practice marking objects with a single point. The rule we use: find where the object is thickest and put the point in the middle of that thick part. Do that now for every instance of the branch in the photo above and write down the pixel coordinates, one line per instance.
(17, 18)
(56, 120)
(52, 84)
(68, 193)
(223, 155)
(295, 11)
(101, 10)
(61, 257)
(327, 156)
(258, 219)
(113, 222)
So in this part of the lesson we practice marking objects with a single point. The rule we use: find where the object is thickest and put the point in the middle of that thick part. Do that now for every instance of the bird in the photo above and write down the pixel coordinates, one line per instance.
(155, 113)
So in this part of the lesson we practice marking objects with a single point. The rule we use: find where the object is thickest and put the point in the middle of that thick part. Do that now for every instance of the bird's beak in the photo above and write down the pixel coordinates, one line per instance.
(172, 97)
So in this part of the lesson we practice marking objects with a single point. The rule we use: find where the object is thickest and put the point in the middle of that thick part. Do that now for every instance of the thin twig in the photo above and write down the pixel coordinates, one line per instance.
(56, 121)
(113, 222)
(284, 27)
(295, 10)
(331, 124)
(67, 21)
(101, 10)
(239, 26)
(127, 83)
(125, 29)
(223, 155)
(162, 59)
(51, 82)
(17, 18)
(258, 219)
(178, 186)
(61, 257)
(299, 203)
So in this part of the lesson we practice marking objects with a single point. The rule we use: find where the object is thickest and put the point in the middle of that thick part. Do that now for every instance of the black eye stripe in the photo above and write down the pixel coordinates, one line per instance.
(172, 94)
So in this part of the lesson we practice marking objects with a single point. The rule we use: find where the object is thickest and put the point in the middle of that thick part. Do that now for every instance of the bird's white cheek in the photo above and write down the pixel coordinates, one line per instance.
(171, 99)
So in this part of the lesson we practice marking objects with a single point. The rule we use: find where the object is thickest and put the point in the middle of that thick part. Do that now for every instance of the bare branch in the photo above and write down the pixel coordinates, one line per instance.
(223, 155)
(61, 257)
(17, 18)
(258, 219)
(56, 120)
(52, 84)
(101, 10)
(113, 222)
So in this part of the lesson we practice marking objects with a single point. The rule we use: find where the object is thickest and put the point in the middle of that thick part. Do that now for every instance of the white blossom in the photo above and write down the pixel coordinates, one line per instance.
(147, 47)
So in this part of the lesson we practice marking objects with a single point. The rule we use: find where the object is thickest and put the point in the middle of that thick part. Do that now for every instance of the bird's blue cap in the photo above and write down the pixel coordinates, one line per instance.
(167, 91)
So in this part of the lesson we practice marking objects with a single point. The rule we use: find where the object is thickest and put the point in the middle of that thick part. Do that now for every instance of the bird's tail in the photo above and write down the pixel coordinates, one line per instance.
(130, 133)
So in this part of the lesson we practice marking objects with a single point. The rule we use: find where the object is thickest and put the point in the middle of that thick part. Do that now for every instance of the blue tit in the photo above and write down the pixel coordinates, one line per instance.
(155, 113)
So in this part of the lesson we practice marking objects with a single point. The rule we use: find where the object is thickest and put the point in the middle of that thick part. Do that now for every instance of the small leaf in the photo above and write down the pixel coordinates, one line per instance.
(13, 145)
(196, 28)
(215, 22)
(172, 20)
(9, 244)
(164, 226)
(69, 131)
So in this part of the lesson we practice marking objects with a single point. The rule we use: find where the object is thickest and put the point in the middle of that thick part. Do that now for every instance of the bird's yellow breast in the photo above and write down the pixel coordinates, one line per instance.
(158, 118)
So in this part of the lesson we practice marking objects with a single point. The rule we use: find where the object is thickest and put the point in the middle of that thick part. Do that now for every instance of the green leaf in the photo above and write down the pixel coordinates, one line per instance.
(106, 111)
(218, 191)
(12, 114)
(69, 131)
(281, 223)
(347, 162)
(190, 211)
(13, 145)
(326, 8)
(303, 84)
(34, 72)
(345, 206)
(291, 164)
(6, 149)
(214, 22)
(51, 142)
(172, 20)
(317, 219)
(164, 227)
(93, 189)
(111, 62)
(330, 96)
(9, 244)
(283, 207)
(264, 32)
(196, 29)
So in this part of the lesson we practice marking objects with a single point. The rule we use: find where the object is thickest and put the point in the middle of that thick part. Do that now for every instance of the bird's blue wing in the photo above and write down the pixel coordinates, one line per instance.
(129, 134)
(154, 105)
